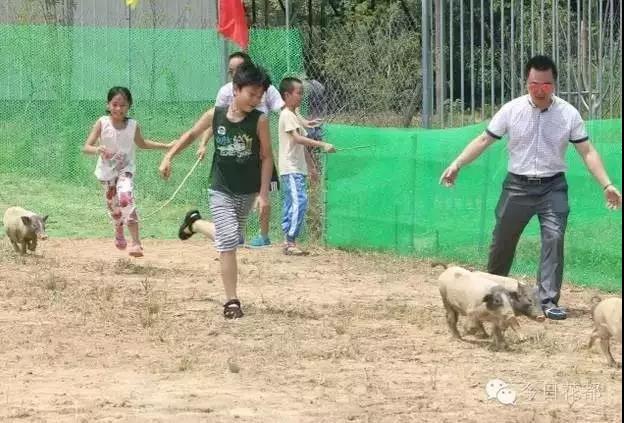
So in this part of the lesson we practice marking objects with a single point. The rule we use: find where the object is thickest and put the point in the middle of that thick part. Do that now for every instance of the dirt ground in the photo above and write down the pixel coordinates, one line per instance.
(88, 335)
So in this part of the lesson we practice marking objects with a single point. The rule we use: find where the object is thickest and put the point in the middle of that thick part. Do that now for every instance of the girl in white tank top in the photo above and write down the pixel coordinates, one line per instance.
(118, 137)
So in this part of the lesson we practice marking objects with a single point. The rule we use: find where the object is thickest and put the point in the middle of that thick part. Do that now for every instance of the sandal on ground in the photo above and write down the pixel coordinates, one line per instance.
(136, 251)
(293, 250)
(185, 231)
(120, 241)
(232, 310)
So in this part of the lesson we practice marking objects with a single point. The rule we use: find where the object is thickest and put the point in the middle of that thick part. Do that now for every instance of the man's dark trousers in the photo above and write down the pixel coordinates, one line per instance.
(521, 199)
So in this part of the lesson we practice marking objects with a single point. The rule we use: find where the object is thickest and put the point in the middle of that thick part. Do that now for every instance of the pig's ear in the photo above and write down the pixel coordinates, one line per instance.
(45, 218)
(26, 220)
(488, 300)
(491, 301)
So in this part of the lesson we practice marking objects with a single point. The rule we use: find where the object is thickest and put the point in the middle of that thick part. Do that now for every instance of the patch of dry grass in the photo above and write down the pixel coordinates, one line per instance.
(125, 266)
(342, 337)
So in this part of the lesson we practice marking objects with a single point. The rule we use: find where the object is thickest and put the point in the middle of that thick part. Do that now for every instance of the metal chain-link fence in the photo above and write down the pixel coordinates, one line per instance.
(368, 55)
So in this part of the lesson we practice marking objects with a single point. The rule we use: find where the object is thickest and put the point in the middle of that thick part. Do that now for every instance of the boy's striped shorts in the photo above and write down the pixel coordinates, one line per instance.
(229, 215)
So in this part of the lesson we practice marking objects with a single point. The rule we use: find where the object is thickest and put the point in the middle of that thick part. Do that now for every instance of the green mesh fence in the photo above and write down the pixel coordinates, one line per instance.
(383, 193)
(53, 86)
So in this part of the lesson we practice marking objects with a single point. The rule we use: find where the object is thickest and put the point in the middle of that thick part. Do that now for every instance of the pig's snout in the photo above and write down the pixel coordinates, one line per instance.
(526, 302)
(42, 236)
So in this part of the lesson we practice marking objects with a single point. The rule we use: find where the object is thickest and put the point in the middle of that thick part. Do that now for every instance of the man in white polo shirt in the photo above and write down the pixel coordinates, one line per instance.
(539, 127)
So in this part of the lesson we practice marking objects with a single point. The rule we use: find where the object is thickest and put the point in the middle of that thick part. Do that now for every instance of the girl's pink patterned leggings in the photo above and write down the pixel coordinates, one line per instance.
(119, 197)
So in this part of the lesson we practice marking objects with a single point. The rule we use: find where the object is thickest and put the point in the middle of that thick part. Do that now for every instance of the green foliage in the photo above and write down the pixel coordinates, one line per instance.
(369, 62)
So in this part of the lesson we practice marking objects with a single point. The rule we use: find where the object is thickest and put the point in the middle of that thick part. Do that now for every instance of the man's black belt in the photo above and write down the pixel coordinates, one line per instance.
(536, 179)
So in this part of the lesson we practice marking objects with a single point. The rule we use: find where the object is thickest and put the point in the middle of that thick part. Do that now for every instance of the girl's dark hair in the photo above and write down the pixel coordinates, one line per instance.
(120, 90)
(249, 74)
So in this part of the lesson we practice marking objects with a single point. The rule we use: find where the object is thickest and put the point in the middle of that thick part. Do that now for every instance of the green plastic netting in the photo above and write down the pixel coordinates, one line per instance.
(386, 196)
(53, 86)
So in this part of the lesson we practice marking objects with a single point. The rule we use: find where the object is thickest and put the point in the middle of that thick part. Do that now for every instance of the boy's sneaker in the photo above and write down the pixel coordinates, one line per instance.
(186, 231)
(292, 250)
(260, 242)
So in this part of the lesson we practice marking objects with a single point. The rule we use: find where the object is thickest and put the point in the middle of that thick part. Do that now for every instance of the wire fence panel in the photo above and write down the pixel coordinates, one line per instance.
(369, 56)
(53, 85)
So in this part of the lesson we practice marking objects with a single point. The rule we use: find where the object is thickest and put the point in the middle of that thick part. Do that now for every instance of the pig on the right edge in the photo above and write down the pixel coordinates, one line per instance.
(477, 298)
(24, 228)
(607, 315)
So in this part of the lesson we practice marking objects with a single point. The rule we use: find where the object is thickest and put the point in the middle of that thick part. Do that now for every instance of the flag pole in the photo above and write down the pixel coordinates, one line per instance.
(287, 4)
(221, 43)
(129, 48)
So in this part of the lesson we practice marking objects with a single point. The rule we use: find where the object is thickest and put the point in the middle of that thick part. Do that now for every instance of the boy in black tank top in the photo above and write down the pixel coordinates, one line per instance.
(241, 171)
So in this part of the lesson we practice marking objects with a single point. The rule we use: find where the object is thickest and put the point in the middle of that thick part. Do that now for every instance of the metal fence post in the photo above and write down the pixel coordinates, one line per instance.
(426, 63)
(221, 42)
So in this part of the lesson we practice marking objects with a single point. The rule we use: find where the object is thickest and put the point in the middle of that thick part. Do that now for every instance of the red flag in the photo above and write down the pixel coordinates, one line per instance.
(233, 22)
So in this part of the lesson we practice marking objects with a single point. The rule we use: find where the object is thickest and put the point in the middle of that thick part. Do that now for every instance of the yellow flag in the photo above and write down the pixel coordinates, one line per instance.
(132, 3)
